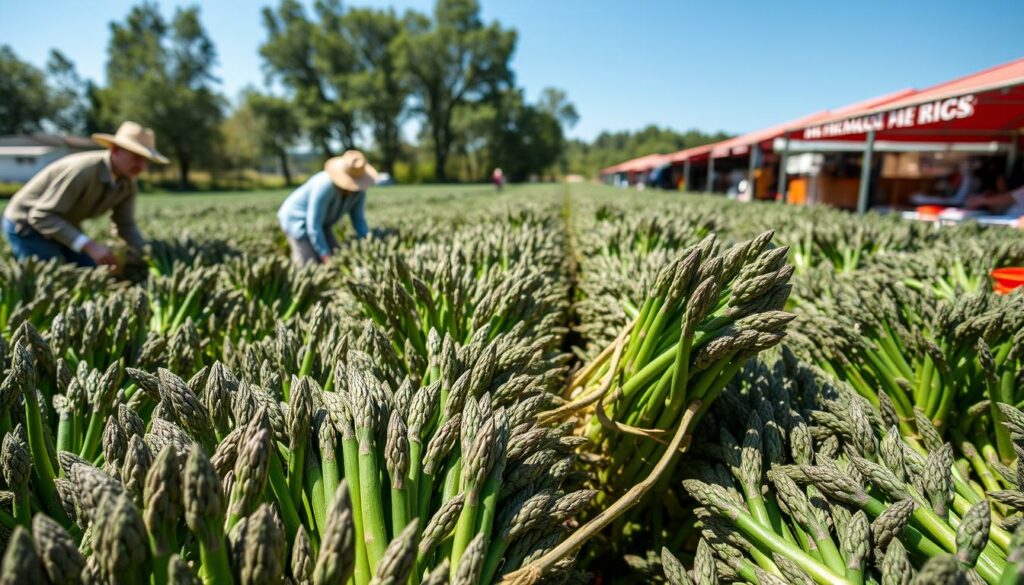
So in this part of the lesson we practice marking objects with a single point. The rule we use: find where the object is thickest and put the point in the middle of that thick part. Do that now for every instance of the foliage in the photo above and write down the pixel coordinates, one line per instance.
(351, 78)
(380, 86)
(611, 148)
(278, 127)
(68, 95)
(310, 62)
(26, 102)
(160, 74)
(453, 61)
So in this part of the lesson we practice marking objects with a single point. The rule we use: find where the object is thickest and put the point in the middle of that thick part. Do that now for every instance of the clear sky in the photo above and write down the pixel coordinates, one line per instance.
(729, 65)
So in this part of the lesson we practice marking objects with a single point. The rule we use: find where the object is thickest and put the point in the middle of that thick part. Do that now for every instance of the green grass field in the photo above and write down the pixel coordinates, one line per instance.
(865, 356)
(167, 204)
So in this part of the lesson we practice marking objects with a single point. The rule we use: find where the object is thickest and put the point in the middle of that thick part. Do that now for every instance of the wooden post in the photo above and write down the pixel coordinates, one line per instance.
(783, 178)
(686, 175)
(865, 174)
(710, 188)
(755, 150)
(1011, 156)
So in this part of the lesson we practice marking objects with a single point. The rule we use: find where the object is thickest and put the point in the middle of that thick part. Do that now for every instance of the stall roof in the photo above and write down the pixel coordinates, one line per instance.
(982, 107)
(740, 145)
(975, 108)
(693, 153)
(642, 163)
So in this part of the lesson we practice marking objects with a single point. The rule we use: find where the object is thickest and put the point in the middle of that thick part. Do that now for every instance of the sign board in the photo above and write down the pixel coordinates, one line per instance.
(947, 110)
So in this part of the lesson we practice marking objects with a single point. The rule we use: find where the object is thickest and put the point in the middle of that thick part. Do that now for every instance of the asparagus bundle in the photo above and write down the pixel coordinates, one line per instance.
(830, 495)
(705, 315)
(36, 291)
(461, 288)
(185, 294)
(164, 257)
(935, 363)
(844, 243)
(457, 474)
(950, 269)
(276, 283)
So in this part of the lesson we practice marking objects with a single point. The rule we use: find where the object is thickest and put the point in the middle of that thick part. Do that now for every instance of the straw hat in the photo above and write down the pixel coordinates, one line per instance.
(351, 172)
(134, 137)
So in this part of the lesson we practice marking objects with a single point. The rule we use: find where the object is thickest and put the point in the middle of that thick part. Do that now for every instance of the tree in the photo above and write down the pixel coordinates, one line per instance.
(314, 62)
(452, 62)
(476, 133)
(335, 58)
(555, 102)
(379, 85)
(68, 95)
(278, 129)
(241, 132)
(529, 139)
(95, 118)
(610, 148)
(161, 75)
(24, 97)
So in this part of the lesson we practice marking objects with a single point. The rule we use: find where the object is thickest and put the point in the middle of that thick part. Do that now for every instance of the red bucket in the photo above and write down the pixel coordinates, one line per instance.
(930, 211)
(1008, 278)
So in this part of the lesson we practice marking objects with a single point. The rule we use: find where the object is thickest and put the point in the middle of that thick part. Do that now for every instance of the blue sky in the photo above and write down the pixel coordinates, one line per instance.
(735, 66)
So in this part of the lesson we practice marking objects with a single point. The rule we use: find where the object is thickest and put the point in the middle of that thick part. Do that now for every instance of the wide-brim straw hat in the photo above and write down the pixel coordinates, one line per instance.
(133, 137)
(351, 172)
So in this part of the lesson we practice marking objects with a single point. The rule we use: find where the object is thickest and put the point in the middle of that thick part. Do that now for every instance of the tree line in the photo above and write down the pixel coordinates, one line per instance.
(335, 78)
(610, 148)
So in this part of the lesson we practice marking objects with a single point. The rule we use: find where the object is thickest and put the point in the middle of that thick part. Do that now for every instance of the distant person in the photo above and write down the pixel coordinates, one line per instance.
(498, 178)
(1009, 202)
(44, 218)
(956, 189)
(308, 215)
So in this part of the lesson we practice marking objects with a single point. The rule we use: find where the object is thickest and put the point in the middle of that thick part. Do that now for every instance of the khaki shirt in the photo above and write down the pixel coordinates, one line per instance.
(72, 189)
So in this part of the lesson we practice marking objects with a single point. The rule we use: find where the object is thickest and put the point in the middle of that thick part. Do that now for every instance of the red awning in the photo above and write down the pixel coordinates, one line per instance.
(740, 145)
(695, 153)
(982, 107)
(639, 164)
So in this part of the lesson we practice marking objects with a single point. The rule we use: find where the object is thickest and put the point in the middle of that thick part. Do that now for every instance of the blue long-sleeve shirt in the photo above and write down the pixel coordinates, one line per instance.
(312, 209)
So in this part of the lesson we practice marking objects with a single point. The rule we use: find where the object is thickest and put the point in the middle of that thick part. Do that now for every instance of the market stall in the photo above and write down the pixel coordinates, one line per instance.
(970, 123)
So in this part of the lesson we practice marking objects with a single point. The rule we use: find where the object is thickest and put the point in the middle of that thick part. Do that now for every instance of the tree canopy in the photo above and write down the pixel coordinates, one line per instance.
(611, 148)
(336, 77)
(160, 74)
(37, 100)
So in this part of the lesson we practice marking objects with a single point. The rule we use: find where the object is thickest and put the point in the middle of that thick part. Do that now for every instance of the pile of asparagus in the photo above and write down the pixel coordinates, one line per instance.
(934, 362)
(807, 483)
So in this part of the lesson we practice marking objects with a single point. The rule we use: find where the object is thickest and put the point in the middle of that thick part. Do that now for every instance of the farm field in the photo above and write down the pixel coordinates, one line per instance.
(473, 394)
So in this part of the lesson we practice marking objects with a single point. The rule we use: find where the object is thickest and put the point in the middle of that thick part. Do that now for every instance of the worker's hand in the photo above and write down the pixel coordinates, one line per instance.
(325, 259)
(100, 254)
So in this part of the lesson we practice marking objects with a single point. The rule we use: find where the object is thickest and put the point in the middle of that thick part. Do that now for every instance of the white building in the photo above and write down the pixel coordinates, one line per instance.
(22, 156)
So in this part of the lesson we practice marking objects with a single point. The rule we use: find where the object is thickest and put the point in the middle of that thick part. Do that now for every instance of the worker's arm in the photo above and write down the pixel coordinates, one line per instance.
(124, 220)
(998, 202)
(332, 241)
(358, 216)
(316, 212)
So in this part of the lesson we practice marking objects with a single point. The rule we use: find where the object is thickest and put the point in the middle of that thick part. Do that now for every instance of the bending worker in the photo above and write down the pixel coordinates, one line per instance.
(308, 215)
(44, 218)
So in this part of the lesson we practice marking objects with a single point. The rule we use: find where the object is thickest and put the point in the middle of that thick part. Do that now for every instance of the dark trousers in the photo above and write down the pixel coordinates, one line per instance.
(30, 243)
